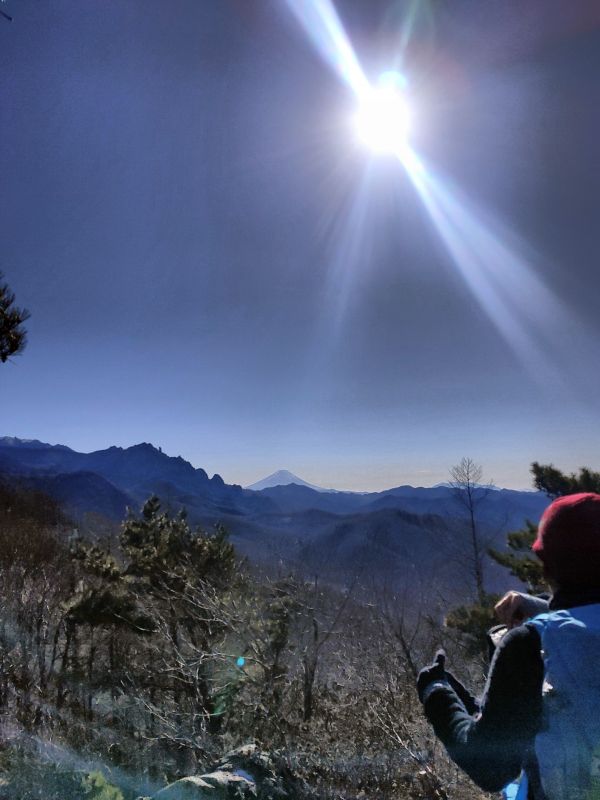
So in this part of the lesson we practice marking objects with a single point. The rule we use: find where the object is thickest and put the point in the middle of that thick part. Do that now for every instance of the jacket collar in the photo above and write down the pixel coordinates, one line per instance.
(571, 598)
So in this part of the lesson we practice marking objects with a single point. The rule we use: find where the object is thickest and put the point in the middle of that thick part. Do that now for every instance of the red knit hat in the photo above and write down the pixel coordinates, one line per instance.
(568, 541)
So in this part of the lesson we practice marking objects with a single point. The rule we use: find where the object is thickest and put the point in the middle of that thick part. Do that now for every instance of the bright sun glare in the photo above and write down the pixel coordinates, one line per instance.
(383, 119)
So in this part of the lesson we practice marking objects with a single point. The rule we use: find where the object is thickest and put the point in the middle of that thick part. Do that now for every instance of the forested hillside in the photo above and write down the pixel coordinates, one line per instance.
(144, 659)
(147, 659)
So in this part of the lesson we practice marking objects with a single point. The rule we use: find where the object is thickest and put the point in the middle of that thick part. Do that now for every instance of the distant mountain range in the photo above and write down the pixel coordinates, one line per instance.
(402, 533)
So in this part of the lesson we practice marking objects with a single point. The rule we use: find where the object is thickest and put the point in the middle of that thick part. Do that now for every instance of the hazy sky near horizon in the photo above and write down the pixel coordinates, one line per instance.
(213, 264)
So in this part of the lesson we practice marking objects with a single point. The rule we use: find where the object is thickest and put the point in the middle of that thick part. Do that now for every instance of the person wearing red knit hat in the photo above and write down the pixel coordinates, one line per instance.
(568, 541)
(539, 716)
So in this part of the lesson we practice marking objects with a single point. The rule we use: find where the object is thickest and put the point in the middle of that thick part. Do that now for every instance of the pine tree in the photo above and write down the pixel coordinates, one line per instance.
(555, 483)
(520, 561)
(164, 551)
(13, 336)
(183, 575)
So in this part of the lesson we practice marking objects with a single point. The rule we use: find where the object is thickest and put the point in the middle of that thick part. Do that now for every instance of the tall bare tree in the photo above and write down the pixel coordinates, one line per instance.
(466, 480)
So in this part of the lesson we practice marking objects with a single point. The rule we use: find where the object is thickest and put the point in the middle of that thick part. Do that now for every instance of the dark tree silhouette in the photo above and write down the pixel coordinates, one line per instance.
(555, 483)
(13, 336)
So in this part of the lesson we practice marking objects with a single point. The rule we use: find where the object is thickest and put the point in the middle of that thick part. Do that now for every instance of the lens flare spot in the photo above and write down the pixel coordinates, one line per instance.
(393, 79)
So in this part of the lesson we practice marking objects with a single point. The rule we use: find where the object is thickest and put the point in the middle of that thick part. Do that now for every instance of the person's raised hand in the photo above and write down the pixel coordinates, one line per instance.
(433, 673)
(516, 607)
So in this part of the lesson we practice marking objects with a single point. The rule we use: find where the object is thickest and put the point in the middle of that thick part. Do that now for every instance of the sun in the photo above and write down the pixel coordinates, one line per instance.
(383, 118)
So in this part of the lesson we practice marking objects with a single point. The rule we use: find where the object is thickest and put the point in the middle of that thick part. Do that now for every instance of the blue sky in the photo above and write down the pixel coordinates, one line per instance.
(212, 264)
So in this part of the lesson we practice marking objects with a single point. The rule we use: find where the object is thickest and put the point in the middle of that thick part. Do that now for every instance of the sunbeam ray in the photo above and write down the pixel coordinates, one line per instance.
(503, 282)
(350, 248)
(321, 22)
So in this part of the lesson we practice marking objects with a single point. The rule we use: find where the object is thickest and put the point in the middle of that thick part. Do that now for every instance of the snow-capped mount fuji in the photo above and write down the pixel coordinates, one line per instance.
(283, 477)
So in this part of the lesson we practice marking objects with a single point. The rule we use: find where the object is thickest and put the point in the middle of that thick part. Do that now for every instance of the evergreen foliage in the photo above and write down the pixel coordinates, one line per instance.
(520, 561)
(164, 551)
(474, 621)
(13, 336)
(555, 483)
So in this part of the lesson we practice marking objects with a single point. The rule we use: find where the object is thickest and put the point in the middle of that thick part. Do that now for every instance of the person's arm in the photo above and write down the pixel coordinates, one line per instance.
(491, 746)
(515, 608)
(468, 699)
